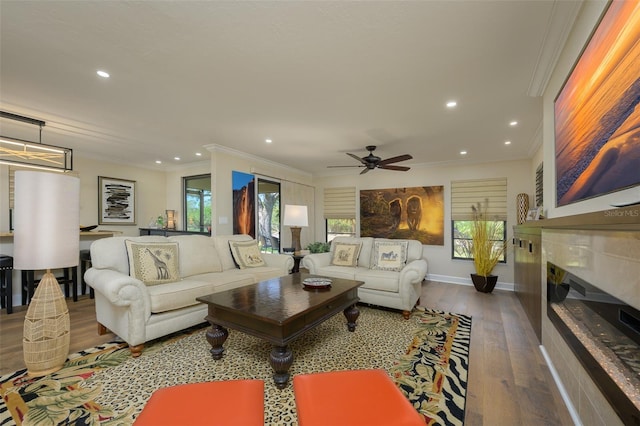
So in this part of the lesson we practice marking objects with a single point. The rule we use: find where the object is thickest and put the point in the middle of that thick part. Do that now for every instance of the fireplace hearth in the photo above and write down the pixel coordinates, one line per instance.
(604, 334)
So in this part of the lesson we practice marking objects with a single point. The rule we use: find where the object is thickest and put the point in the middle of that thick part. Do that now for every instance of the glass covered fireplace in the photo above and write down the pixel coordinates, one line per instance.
(604, 334)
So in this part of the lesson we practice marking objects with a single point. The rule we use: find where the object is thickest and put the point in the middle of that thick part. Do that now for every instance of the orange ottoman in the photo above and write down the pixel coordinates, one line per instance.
(353, 397)
(231, 402)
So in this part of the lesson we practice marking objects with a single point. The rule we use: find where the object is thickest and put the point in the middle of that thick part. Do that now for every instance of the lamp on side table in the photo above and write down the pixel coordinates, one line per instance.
(46, 236)
(295, 217)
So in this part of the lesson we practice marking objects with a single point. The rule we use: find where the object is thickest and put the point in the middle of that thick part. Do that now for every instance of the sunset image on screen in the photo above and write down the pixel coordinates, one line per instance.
(597, 119)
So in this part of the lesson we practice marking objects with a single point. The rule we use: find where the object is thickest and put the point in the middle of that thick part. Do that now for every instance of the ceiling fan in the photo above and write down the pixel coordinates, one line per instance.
(371, 161)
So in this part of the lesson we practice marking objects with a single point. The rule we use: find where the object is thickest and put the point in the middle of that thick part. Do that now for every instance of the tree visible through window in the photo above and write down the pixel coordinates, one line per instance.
(340, 228)
(197, 203)
(462, 244)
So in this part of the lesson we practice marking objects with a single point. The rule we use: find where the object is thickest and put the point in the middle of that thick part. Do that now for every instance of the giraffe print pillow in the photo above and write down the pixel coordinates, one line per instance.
(153, 263)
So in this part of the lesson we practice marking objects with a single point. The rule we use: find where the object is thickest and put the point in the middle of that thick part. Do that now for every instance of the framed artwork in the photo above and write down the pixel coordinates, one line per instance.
(597, 141)
(533, 214)
(243, 203)
(116, 201)
(415, 213)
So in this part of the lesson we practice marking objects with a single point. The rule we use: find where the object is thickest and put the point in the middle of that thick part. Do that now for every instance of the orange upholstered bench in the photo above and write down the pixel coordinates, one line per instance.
(231, 402)
(354, 397)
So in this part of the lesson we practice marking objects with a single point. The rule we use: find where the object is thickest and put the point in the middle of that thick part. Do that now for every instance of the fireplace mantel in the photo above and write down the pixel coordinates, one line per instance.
(614, 219)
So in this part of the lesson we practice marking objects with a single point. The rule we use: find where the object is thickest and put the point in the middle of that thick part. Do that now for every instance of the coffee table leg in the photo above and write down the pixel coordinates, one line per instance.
(281, 359)
(351, 313)
(216, 336)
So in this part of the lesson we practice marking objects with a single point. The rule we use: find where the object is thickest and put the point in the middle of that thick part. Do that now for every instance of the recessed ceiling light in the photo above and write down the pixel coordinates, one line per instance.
(176, 158)
(463, 152)
(507, 142)
(513, 123)
(198, 154)
(451, 104)
(268, 140)
(158, 162)
(103, 74)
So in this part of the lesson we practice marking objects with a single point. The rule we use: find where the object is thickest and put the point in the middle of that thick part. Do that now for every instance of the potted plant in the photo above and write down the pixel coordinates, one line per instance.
(488, 245)
(319, 247)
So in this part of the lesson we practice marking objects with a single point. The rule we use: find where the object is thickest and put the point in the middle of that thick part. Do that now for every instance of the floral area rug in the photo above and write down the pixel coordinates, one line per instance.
(427, 356)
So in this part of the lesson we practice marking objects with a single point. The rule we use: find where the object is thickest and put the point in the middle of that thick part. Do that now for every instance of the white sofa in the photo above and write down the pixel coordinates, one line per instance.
(396, 289)
(138, 313)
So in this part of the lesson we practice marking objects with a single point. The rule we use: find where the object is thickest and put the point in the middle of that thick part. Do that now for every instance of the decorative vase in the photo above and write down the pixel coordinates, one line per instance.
(484, 284)
(523, 207)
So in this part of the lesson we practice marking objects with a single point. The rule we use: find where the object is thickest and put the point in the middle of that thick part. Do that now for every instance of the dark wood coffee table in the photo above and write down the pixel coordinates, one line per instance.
(278, 310)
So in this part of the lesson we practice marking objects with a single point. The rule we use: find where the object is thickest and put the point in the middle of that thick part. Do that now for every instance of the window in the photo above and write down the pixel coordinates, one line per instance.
(340, 211)
(462, 244)
(197, 203)
(465, 194)
(340, 228)
(268, 216)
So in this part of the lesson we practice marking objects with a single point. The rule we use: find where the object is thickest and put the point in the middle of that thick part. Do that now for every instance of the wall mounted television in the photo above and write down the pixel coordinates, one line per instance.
(597, 112)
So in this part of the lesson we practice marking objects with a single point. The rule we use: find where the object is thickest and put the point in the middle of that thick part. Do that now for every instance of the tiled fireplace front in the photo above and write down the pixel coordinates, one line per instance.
(612, 260)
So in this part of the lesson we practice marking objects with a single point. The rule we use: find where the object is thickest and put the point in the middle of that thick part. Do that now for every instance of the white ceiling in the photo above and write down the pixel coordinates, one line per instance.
(319, 78)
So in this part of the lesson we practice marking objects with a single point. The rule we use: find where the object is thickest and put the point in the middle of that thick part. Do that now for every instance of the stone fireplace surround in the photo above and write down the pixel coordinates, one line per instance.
(603, 248)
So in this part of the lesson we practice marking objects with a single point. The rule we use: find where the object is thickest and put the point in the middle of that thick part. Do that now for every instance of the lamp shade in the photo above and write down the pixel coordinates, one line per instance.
(295, 215)
(47, 220)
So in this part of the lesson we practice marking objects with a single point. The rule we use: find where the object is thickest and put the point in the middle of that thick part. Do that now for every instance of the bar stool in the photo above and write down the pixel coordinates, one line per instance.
(69, 276)
(6, 282)
(85, 260)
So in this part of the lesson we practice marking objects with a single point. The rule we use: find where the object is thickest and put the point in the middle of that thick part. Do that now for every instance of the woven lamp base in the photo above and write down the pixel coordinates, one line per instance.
(46, 336)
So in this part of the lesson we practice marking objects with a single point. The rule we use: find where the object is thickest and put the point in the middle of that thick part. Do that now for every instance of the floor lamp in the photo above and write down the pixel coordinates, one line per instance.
(46, 236)
(295, 217)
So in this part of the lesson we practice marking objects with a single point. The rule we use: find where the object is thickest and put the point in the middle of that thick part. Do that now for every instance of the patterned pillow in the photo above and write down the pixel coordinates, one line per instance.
(345, 254)
(153, 263)
(246, 254)
(389, 255)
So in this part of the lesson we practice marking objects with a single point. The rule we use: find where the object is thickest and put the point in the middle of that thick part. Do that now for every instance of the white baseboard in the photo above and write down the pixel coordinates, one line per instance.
(563, 392)
(466, 281)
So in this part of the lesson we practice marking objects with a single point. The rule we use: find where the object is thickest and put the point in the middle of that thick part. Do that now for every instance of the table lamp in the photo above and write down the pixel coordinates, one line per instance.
(295, 217)
(46, 236)
(171, 219)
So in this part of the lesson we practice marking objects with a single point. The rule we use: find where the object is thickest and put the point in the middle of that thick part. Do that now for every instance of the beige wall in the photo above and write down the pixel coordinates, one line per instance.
(441, 266)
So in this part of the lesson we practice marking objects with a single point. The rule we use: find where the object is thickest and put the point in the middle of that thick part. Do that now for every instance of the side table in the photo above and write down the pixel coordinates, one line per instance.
(296, 263)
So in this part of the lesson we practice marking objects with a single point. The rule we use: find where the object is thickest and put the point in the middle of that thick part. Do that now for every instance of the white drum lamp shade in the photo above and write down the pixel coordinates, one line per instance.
(46, 236)
(295, 217)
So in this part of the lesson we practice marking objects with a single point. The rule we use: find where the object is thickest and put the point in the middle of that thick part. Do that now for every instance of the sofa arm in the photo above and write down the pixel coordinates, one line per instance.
(281, 261)
(414, 272)
(121, 290)
(315, 261)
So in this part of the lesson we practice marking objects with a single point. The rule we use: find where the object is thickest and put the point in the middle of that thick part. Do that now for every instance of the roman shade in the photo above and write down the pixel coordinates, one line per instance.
(340, 203)
(467, 193)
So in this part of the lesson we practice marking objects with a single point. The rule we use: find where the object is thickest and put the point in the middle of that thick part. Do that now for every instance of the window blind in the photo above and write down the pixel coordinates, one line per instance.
(340, 203)
(467, 193)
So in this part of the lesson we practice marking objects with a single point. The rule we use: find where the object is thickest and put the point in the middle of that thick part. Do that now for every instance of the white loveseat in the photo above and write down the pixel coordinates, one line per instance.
(389, 280)
(138, 312)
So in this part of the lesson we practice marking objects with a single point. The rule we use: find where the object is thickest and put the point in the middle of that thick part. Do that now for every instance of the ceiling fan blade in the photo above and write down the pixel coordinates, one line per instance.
(366, 169)
(398, 168)
(357, 158)
(395, 159)
(345, 166)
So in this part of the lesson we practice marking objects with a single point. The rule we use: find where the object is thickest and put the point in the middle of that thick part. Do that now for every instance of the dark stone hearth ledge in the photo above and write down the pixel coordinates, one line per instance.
(614, 219)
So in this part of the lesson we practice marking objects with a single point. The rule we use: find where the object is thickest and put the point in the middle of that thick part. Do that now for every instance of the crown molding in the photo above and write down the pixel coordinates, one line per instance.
(561, 21)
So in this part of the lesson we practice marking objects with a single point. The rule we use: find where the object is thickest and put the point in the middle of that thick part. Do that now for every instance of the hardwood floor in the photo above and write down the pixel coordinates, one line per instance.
(508, 384)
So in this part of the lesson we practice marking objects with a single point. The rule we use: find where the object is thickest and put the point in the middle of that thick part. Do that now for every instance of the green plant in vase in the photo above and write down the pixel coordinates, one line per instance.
(319, 247)
(488, 246)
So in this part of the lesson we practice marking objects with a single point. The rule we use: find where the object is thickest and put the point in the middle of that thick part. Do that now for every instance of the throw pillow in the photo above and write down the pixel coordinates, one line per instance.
(345, 254)
(246, 254)
(389, 255)
(153, 263)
